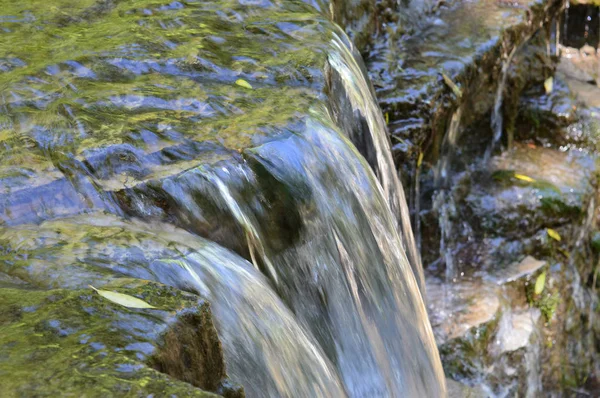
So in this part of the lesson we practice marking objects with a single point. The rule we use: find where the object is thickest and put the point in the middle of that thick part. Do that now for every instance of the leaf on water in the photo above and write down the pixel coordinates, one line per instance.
(122, 299)
(523, 177)
(549, 85)
(553, 234)
(455, 89)
(243, 83)
(540, 282)
(420, 159)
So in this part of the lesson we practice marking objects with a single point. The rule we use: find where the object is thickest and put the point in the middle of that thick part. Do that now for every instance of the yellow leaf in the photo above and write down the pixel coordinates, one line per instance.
(387, 118)
(243, 83)
(420, 159)
(455, 89)
(123, 299)
(524, 178)
(553, 234)
(548, 85)
(540, 282)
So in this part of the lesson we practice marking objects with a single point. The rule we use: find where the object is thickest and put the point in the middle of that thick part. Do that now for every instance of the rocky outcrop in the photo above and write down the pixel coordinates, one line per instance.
(505, 238)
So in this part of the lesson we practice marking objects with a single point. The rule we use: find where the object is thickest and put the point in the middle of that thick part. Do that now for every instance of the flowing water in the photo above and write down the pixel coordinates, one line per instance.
(234, 121)
(497, 118)
(443, 202)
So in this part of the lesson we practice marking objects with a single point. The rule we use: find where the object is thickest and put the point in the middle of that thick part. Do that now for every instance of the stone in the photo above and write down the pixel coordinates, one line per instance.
(458, 307)
(524, 268)
(78, 343)
(515, 330)
(531, 188)
(460, 390)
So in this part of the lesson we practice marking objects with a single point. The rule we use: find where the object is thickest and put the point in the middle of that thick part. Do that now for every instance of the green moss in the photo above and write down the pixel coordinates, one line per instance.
(547, 301)
(78, 343)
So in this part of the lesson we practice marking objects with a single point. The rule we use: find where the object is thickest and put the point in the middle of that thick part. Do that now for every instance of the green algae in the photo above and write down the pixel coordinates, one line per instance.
(74, 343)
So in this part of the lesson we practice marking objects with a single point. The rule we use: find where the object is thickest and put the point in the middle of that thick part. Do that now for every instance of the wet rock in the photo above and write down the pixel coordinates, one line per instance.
(581, 69)
(543, 118)
(459, 390)
(79, 343)
(515, 330)
(456, 308)
(523, 269)
(531, 188)
(407, 71)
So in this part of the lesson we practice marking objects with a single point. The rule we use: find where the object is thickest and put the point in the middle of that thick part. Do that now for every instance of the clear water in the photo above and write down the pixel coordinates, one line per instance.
(136, 109)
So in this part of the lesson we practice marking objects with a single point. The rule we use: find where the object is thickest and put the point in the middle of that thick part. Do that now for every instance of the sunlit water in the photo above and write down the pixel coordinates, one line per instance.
(137, 109)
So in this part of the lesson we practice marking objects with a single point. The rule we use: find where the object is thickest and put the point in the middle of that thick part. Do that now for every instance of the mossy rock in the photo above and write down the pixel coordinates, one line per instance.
(62, 342)
(530, 189)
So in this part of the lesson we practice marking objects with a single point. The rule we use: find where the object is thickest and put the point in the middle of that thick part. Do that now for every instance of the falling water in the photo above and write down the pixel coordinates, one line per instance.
(346, 62)
(174, 114)
(335, 284)
(443, 202)
(497, 119)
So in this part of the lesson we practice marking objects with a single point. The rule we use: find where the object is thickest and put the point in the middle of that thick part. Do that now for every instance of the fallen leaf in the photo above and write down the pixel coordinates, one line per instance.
(243, 83)
(387, 118)
(455, 89)
(122, 299)
(548, 85)
(540, 282)
(420, 159)
(524, 177)
(553, 234)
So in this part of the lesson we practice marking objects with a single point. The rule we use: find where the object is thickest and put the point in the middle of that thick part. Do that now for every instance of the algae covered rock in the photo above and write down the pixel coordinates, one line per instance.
(62, 342)
(531, 188)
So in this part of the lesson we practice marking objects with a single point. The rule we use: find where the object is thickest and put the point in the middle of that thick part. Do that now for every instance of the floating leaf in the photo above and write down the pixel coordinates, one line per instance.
(524, 178)
(387, 118)
(455, 89)
(420, 159)
(123, 299)
(548, 85)
(243, 83)
(553, 234)
(540, 282)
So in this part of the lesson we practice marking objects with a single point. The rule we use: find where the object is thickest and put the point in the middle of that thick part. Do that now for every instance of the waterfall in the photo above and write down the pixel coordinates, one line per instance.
(266, 350)
(344, 59)
(347, 273)
(255, 130)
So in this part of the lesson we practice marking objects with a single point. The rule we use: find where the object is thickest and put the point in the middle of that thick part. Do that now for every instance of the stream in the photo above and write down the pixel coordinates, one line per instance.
(317, 198)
